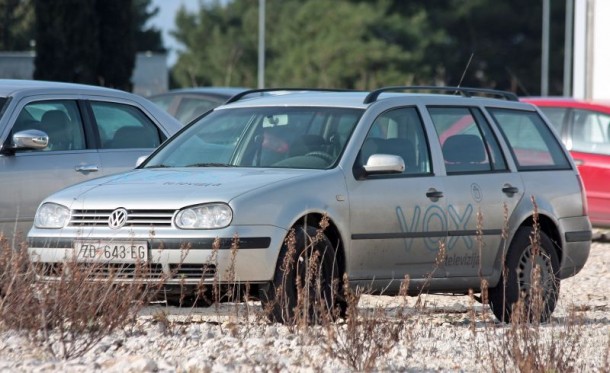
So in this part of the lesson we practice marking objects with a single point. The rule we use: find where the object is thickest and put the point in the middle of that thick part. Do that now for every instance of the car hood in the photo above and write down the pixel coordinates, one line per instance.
(170, 188)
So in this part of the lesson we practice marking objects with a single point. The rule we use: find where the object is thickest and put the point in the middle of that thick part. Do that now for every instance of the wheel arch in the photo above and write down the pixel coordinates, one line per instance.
(549, 227)
(332, 233)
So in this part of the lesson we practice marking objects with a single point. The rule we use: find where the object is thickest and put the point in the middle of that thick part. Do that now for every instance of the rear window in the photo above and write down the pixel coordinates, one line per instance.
(532, 143)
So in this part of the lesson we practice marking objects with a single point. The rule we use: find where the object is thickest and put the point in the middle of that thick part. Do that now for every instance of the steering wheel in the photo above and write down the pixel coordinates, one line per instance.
(320, 154)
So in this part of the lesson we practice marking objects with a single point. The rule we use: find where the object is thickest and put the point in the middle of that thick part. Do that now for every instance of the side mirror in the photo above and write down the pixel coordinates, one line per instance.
(140, 160)
(384, 164)
(30, 139)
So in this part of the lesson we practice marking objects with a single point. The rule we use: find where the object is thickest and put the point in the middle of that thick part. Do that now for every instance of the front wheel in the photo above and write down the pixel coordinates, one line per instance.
(306, 282)
(529, 286)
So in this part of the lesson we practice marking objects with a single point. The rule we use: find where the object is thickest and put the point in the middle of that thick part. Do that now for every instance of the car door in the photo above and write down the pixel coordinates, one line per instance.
(480, 192)
(125, 133)
(397, 221)
(28, 176)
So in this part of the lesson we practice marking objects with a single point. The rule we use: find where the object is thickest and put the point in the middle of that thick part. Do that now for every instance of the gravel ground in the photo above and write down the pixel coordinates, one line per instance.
(447, 334)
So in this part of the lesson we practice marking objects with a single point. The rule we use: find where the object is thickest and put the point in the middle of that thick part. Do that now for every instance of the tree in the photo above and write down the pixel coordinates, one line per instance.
(312, 43)
(117, 43)
(147, 38)
(16, 25)
(502, 37)
(67, 45)
(363, 44)
(221, 44)
(96, 45)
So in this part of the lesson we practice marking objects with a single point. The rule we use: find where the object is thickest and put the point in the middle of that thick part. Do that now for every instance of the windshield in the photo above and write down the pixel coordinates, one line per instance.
(281, 137)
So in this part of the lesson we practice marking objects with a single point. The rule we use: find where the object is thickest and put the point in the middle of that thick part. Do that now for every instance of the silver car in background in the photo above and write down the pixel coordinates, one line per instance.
(187, 104)
(377, 186)
(53, 135)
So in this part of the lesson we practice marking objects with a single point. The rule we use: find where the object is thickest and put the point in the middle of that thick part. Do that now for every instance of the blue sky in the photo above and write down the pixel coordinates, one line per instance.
(165, 22)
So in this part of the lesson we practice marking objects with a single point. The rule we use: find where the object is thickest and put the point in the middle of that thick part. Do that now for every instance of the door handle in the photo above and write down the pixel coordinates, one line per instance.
(86, 168)
(578, 162)
(434, 194)
(510, 190)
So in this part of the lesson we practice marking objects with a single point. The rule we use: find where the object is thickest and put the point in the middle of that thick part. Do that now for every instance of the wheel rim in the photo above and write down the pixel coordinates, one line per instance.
(530, 259)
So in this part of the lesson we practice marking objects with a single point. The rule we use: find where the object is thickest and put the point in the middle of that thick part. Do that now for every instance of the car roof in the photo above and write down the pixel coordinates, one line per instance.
(12, 87)
(341, 98)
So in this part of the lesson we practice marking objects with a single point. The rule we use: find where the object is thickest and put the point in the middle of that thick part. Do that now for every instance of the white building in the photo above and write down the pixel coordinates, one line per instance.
(591, 76)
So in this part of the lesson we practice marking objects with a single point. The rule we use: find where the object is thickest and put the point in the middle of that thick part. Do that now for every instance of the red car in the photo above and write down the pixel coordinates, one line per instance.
(584, 128)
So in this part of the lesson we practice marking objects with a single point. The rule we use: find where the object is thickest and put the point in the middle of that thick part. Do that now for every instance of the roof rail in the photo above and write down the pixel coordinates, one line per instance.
(241, 95)
(466, 92)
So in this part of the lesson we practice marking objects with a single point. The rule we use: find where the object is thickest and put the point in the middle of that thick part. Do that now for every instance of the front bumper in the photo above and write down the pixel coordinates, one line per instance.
(178, 257)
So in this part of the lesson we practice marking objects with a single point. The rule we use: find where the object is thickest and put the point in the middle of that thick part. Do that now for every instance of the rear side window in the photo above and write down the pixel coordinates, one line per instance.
(532, 143)
(467, 141)
(124, 126)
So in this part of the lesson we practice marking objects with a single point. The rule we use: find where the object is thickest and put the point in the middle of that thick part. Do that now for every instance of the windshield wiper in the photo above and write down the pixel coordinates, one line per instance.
(158, 166)
(209, 165)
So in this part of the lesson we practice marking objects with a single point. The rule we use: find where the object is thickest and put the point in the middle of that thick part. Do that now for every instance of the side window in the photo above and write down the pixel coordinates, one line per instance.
(60, 120)
(590, 132)
(398, 132)
(532, 143)
(124, 126)
(467, 142)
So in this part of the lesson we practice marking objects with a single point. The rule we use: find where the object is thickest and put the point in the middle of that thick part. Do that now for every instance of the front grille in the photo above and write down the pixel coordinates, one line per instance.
(192, 271)
(135, 218)
(121, 271)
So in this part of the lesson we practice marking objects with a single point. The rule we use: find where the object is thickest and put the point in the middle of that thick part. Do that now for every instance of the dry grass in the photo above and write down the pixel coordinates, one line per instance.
(68, 317)
(65, 318)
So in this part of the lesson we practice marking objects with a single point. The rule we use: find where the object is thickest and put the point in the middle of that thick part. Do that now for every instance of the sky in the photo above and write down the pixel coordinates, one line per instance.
(164, 21)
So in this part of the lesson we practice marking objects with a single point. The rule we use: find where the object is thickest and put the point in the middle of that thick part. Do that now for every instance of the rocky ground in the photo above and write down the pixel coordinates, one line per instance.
(449, 333)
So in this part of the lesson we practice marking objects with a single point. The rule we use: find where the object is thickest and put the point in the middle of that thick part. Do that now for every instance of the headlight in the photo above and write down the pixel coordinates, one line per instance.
(208, 216)
(51, 215)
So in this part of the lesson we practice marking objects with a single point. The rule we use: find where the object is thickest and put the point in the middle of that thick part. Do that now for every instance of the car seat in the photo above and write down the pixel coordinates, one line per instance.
(464, 153)
(56, 124)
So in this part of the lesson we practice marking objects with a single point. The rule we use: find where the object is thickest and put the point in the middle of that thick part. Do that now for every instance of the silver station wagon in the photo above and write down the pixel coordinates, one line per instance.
(450, 190)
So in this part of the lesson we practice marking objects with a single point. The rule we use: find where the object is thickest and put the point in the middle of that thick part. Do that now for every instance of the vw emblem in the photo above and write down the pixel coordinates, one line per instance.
(117, 219)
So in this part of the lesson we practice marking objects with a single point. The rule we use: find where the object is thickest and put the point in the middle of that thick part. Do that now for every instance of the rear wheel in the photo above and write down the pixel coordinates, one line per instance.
(306, 282)
(529, 284)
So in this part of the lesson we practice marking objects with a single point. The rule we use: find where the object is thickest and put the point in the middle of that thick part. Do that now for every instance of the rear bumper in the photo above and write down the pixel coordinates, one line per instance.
(576, 245)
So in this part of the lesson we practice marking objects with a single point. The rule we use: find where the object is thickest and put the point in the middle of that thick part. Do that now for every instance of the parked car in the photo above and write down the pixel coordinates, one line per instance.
(56, 134)
(584, 127)
(188, 103)
(380, 185)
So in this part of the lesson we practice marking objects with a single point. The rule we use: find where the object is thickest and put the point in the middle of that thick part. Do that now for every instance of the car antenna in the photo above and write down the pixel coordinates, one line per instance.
(465, 70)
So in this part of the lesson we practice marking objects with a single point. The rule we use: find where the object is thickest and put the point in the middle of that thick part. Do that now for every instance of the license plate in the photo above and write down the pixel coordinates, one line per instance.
(115, 251)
